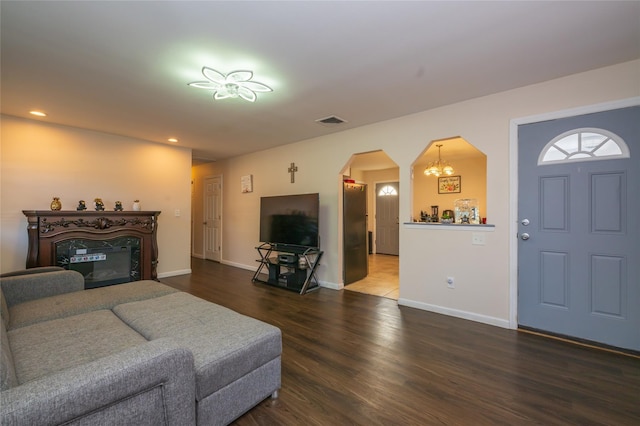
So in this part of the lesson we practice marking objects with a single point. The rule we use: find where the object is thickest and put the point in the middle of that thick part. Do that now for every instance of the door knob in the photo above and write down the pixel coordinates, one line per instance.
(524, 236)
(525, 222)
(204, 223)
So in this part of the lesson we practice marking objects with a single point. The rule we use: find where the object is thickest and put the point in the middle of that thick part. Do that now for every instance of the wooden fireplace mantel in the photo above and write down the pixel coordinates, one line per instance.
(47, 228)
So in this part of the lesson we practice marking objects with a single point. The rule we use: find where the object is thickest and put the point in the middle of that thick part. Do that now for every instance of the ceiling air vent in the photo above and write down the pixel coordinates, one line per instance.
(330, 121)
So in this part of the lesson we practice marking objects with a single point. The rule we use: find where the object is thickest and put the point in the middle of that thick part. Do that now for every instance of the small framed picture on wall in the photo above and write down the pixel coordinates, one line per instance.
(449, 184)
(246, 183)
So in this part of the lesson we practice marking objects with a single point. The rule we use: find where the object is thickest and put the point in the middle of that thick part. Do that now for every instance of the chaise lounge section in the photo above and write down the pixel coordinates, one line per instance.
(136, 353)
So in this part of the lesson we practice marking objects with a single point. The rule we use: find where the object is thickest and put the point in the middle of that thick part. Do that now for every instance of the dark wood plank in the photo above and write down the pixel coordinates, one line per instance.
(352, 358)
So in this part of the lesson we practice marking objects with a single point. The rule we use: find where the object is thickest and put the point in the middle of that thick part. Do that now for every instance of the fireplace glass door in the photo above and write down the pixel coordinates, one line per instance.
(101, 262)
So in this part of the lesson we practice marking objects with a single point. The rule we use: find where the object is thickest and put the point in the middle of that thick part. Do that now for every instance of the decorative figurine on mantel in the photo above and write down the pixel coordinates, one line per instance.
(56, 204)
(81, 206)
(99, 204)
(118, 206)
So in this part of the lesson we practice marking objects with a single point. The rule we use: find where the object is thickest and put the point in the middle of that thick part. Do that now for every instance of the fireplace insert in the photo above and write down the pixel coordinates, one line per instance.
(102, 266)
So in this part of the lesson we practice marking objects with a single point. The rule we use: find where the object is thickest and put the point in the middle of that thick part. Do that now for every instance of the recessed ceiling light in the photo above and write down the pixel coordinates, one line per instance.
(174, 140)
(236, 84)
(38, 113)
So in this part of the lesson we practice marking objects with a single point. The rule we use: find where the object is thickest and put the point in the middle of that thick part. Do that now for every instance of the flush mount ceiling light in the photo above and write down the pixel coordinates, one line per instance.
(233, 85)
(438, 167)
(38, 113)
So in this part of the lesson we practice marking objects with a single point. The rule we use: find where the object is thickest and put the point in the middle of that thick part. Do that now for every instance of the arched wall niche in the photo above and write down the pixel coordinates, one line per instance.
(469, 164)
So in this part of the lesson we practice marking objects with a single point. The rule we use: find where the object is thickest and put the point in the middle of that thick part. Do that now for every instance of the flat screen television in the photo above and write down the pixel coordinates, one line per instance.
(290, 220)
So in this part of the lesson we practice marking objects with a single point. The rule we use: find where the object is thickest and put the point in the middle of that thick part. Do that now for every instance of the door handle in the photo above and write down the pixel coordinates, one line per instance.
(525, 222)
(525, 236)
(204, 223)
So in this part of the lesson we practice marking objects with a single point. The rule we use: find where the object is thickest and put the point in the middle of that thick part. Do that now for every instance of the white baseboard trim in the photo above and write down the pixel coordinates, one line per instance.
(239, 265)
(174, 273)
(197, 256)
(498, 322)
(332, 286)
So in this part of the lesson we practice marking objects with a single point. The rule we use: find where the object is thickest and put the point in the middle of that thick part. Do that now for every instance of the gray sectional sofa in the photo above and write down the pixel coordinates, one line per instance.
(140, 353)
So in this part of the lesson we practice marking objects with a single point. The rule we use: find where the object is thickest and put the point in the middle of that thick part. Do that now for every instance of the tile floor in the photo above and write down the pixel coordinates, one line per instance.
(382, 279)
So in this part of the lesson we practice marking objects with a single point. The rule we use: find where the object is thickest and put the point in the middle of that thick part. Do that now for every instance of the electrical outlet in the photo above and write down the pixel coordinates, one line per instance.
(451, 282)
(177, 212)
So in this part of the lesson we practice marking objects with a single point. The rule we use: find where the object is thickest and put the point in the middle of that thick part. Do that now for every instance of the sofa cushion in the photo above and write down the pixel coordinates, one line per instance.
(7, 371)
(47, 347)
(65, 305)
(225, 344)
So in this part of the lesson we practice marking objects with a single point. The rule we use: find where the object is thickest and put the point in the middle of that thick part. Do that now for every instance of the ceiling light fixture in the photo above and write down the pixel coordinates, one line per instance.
(174, 140)
(438, 167)
(233, 85)
(38, 113)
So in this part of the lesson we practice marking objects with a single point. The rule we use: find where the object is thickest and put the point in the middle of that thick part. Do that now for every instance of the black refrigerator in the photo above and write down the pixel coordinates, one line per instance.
(355, 249)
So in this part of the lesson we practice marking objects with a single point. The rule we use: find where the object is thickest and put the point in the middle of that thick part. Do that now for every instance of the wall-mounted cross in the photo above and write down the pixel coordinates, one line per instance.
(293, 169)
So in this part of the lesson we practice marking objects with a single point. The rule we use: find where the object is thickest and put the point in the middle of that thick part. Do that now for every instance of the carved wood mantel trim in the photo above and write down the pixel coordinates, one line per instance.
(47, 228)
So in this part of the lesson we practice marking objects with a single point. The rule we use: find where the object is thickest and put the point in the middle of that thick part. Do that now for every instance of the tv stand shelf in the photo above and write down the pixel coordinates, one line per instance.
(289, 267)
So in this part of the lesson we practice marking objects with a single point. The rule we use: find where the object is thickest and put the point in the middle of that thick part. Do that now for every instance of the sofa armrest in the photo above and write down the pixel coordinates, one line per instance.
(153, 383)
(36, 270)
(22, 288)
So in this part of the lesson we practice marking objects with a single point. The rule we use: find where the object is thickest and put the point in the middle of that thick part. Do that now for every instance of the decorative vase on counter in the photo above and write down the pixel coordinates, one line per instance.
(136, 206)
(56, 204)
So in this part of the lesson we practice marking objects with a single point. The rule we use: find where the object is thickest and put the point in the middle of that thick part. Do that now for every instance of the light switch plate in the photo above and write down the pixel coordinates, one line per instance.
(477, 238)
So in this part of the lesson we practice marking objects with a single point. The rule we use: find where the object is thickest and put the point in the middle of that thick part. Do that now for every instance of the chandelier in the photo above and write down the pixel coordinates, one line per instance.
(438, 167)
(233, 85)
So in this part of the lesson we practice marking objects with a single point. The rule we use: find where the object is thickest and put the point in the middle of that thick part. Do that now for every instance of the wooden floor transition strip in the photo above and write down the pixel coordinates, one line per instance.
(590, 345)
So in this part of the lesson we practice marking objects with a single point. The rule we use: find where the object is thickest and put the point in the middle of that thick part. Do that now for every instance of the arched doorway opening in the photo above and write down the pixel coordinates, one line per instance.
(369, 212)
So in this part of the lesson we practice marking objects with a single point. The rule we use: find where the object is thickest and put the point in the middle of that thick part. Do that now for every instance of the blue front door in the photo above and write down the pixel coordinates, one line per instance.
(578, 212)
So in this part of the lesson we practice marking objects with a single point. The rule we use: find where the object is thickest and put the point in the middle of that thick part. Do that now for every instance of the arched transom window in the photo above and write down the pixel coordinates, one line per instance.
(387, 190)
(584, 144)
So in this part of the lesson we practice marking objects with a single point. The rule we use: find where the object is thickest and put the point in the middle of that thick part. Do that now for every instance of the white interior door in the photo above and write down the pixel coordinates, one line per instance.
(578, 209)
(212, 218)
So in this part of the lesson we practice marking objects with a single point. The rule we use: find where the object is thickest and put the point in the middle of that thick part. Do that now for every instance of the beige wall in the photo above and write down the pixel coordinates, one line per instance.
(427, 255)
(40, 161)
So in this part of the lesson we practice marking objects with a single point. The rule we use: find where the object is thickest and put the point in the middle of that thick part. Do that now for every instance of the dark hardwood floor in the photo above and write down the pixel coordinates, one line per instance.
(356, 359)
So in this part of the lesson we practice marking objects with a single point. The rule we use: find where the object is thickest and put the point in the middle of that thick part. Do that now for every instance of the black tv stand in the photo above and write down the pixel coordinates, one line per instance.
(290, 267)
